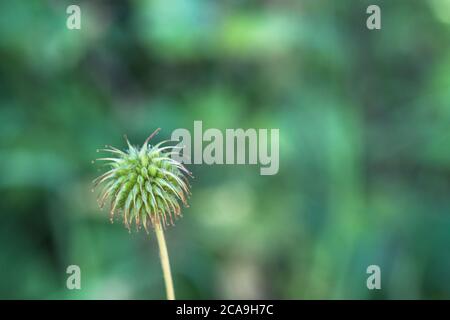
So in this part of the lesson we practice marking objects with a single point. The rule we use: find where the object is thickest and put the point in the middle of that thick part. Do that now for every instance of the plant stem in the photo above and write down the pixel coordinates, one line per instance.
(164, 256)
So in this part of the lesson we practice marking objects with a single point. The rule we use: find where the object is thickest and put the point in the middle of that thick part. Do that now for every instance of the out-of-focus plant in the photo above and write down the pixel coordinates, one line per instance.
(144, 185)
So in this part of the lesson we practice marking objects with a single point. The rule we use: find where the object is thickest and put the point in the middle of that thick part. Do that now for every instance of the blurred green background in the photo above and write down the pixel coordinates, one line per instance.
(364, 119)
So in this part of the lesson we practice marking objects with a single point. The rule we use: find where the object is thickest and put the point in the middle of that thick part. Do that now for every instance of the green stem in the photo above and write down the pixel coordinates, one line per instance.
(165, 264)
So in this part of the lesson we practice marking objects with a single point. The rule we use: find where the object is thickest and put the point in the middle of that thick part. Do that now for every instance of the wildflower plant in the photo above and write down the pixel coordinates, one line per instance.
(145, 186)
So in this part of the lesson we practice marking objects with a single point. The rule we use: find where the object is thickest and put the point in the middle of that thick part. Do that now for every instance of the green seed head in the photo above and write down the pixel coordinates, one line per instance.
(144, 184)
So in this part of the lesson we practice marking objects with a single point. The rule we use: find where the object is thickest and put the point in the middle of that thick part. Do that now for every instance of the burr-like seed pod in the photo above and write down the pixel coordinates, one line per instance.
(144, 185)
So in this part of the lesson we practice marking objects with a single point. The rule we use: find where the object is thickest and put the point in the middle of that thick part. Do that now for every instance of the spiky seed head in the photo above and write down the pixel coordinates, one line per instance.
(144, 185)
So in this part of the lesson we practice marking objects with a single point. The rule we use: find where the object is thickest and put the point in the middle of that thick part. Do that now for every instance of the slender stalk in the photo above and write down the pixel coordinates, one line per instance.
(164, 256)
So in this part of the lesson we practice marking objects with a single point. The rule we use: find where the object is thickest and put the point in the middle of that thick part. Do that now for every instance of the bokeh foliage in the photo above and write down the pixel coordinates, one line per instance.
(364, 119)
